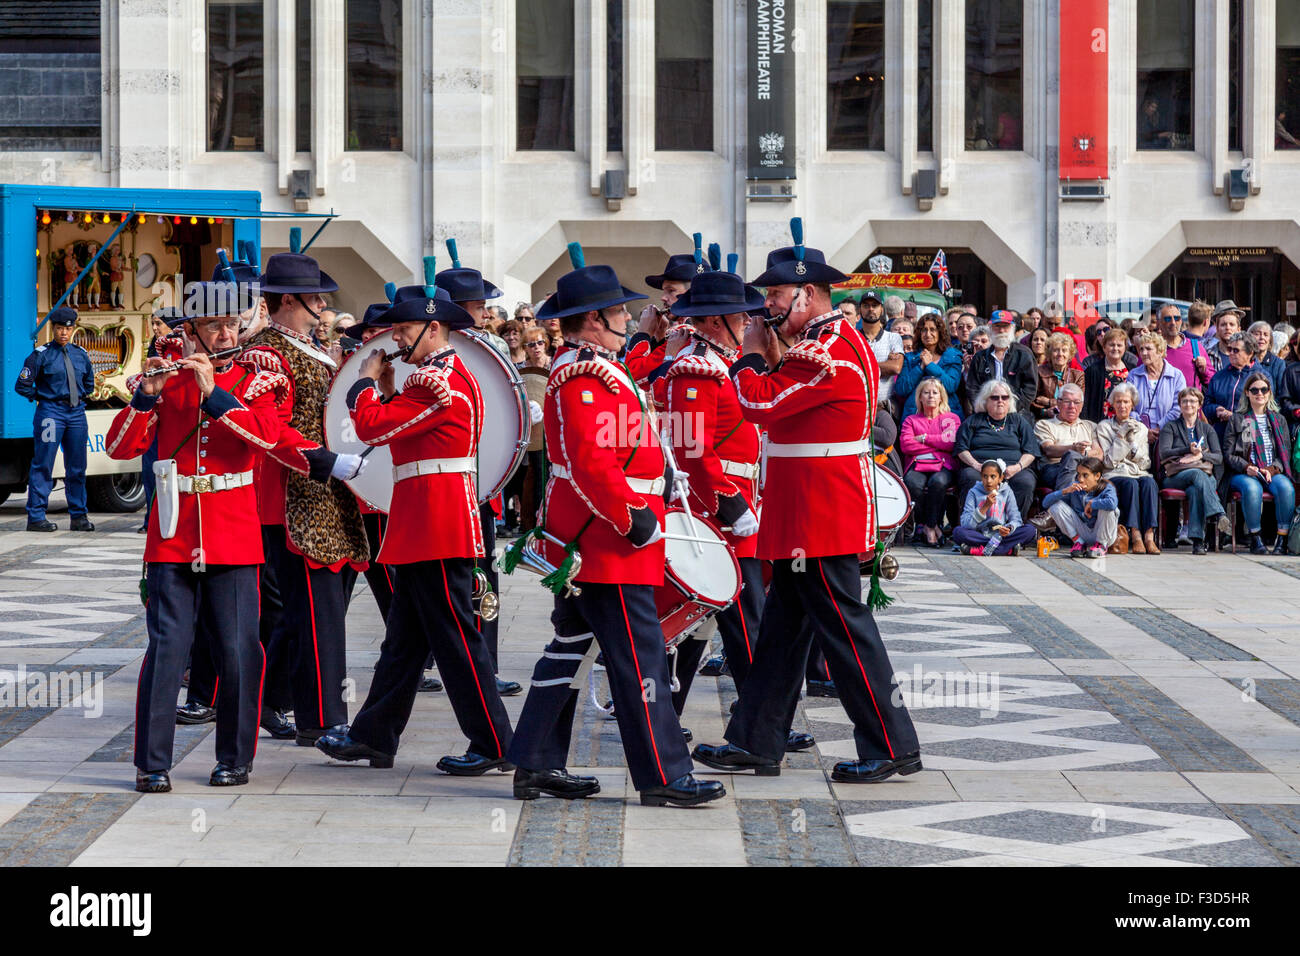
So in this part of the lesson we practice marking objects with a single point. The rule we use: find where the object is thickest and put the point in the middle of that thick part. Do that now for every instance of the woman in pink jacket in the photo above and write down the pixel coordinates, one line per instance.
(926, 440)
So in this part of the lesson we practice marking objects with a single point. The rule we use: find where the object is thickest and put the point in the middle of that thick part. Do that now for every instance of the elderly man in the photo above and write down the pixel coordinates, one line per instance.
(1182, 351)
(1004, 359)
(1065, 440)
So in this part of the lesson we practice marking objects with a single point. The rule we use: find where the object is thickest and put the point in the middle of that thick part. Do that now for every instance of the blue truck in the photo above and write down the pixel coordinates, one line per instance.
(114, 255)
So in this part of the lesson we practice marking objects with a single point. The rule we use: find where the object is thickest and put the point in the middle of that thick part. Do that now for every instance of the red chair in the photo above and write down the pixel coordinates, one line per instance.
(1233, 499)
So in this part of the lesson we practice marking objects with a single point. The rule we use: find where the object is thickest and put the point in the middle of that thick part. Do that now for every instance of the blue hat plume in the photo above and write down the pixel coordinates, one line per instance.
(733, 260)
(390, 290)
(576, 258)
(295, 239)
(451, 251)
(430, 273)
(715, 256)
(796, 231)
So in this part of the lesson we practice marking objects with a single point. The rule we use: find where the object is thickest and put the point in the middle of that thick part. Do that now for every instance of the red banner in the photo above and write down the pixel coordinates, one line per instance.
(897, 280)
(1080, 297)
(1085, 37)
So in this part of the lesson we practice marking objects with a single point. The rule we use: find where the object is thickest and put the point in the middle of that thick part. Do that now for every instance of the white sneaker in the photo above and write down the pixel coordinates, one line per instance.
(1182, 534)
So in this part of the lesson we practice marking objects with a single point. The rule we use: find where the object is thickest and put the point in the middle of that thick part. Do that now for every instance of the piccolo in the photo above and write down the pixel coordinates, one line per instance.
(176, 366)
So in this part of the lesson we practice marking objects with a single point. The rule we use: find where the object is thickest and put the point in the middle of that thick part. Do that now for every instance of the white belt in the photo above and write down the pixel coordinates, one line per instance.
(740, 469)
(642, 486)
(199, 484)
(433, 466)
(835, 449)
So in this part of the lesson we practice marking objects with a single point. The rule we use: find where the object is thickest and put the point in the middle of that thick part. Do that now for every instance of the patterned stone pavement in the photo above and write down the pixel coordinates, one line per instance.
(1130, 710)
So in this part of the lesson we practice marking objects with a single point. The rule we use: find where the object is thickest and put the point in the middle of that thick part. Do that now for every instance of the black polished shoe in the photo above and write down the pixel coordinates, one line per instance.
(687, 735)
(157, 782)
(1198, 546)
(429, 684)
(874, 771)
(143, 529)
(531, 784)
(45, 524)
(275, 723)
(1279, 545)
(508, 688)
(228, 775)
(796, 742)
(715, 667)
(822, 688)
(685, 791)
(307, 736)
(1257, 545)
(195, 713)
(734, 760)
(81, 524)
(471, 764)
(343, 747)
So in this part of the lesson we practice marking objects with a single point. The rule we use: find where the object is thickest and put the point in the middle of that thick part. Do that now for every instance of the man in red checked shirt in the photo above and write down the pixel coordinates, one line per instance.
(432, 427)
(605, 500)
(812, 382)
(213, 418)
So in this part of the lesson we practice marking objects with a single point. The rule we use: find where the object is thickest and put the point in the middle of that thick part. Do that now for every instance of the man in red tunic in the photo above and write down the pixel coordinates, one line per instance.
(213, 419)
(811, 381)
(433, 427)
(605, 499)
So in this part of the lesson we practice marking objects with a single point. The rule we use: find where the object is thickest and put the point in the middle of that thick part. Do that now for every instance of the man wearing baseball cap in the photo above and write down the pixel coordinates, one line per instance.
(887, 346)
(1006, 359)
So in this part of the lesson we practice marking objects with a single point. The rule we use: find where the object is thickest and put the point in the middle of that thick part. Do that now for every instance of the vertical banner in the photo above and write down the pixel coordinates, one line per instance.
(770, 126)
(1085, 37)
(1081, 295)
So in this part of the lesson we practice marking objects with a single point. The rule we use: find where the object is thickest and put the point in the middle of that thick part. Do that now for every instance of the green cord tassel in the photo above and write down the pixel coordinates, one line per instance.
(877, 599)
(515, 553)
(144, 585)
(558, 579)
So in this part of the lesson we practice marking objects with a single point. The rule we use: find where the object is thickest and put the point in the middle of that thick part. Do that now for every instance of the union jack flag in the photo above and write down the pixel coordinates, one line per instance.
(940, 268)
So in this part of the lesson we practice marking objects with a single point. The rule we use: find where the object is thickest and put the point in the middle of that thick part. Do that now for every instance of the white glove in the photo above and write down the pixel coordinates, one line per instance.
(745, 525)
(681, 486)
(657, 536)
(347, 467)
(534, 412)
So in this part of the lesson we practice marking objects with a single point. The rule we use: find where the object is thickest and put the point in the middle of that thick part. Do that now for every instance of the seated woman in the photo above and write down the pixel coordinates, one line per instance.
(1104, 374)
(1055, 373)
(1192, 463)
(1086, 510)
(990, 520)
(926, 441)
(1065, 439)
(1126, 453)
(932, 356)
(1158, 384)
(1036, 342)
(994, 430)
(1257, 449)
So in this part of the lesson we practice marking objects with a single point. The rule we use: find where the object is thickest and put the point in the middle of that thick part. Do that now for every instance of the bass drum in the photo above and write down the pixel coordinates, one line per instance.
(506, 422)
(893, 503)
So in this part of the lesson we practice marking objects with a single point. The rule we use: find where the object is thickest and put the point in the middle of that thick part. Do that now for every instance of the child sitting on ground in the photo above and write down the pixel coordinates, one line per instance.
(1087, 511)
(990, 521)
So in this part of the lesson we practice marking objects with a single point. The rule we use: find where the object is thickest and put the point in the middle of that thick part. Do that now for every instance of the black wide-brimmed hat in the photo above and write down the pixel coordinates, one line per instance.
(464, 284)
(718, 293)
(434, 305)
(63, 316)
(680, 268)
(169, 314)
(585, 289)
(376, 317)
(210, 299)
(295, 273)
(797, 264)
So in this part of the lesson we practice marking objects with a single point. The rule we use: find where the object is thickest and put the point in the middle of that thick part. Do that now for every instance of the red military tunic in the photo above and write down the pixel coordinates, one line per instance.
(821, 396)
(643, 356)
(437, 416)
(712, 441)
(241, 422)
(595, 425)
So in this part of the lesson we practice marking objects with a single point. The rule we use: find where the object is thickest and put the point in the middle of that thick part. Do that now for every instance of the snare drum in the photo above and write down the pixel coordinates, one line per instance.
(893, 503)
(700, 577)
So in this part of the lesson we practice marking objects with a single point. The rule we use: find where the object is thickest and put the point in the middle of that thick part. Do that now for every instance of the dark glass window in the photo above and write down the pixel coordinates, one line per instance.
(1286, 126)
(925, 76)
(49, 76)
(684, 74)
(855, 74)
(235, 68)
(994, 74)
(1165, 53)
(302, 77)
(374, 78)
(544, 74)
(1234, 74)
(614, 76)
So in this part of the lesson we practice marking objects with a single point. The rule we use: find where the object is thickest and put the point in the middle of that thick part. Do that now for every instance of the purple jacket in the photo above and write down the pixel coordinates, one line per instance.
(1157, 404)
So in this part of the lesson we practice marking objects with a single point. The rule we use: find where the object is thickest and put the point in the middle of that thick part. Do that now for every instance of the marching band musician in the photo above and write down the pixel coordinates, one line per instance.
(213, 418)
(714, 442)
(812, 383)
(605, 499)
(432, 426)
(645, 350)
(313, 531)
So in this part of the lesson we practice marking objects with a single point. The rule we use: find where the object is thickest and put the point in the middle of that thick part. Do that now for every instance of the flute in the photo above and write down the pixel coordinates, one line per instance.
(176, 366)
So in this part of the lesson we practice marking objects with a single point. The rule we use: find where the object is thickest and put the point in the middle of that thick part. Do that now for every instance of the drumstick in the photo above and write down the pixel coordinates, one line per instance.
(669, 536)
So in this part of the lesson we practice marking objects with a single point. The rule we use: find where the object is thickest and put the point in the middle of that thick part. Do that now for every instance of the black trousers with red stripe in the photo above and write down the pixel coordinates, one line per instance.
(432, 611)
(222, 599)
(378, 576)
(314, 635)
(276, 694)
(817, 668)
(488, 629)
(827, 592)
(622, 619)
(738, 624)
